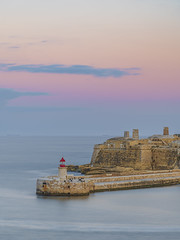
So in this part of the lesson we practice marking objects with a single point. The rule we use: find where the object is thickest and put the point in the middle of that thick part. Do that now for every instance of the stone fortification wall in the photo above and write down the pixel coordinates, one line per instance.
(165, 158)
(96, 151)
(115, 157)
(141, 158)
(158, 152)
(145, 157)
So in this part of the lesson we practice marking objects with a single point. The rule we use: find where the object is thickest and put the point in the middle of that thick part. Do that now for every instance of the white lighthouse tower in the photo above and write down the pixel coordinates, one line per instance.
(62, 170)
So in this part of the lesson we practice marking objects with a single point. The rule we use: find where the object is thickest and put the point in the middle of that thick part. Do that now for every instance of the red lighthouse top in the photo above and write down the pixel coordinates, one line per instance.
(62, 162)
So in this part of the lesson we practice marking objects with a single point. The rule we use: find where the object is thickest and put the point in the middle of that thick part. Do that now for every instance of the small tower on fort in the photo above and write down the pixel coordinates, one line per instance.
(166, 131)
(62, 170)
(126, 134)
(135, 133)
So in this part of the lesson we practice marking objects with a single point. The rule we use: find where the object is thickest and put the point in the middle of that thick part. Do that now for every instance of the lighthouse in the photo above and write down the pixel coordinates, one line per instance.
(62, 170)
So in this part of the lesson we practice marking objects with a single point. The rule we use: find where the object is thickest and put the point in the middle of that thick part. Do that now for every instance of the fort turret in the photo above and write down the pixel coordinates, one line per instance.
(166, 131)
(135, 134)
(126, 134)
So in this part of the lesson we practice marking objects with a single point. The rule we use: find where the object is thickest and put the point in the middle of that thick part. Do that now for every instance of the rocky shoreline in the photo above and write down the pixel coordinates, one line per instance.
(87, 169)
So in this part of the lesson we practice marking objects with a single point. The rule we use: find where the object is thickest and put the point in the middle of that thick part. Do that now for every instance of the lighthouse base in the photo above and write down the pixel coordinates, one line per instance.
(62, 173)
(55, 187)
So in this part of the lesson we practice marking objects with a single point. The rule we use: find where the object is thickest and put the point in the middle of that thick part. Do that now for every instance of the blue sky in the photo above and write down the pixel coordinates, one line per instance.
(89, 67)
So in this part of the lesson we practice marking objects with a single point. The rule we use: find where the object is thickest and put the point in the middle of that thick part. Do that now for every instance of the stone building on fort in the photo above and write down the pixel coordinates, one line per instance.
(158, 152)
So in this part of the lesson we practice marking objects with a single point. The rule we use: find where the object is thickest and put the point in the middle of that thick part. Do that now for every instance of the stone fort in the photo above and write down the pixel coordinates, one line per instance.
(157, 152)
(122, 163)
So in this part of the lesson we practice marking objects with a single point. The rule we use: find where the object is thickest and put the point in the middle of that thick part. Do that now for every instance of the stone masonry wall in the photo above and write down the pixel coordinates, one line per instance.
(145, 157)
(164, 158)
(96, 151)
(121, 157)
(53, 187)
(140, 157)
(136, 184)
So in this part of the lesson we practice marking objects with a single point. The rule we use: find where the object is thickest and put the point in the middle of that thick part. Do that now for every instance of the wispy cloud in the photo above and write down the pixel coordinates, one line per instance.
(44, 109)
(14, 47)
(4, 66)
(4, 43)
(73, 69)
(44, 41)
(9, 94)
(37, 42)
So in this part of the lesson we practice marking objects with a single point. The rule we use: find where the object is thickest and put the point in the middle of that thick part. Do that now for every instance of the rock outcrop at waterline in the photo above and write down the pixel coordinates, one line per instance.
(158, 152)
(87, 169)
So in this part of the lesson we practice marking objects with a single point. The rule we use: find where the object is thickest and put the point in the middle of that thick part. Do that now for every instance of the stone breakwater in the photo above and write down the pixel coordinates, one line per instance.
(84, 185)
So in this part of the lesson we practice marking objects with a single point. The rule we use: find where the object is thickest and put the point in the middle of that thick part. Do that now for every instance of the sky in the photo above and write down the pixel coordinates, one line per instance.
(94, 67)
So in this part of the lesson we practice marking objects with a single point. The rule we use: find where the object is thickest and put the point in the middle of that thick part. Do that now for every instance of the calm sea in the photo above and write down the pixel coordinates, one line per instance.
(133, 214)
